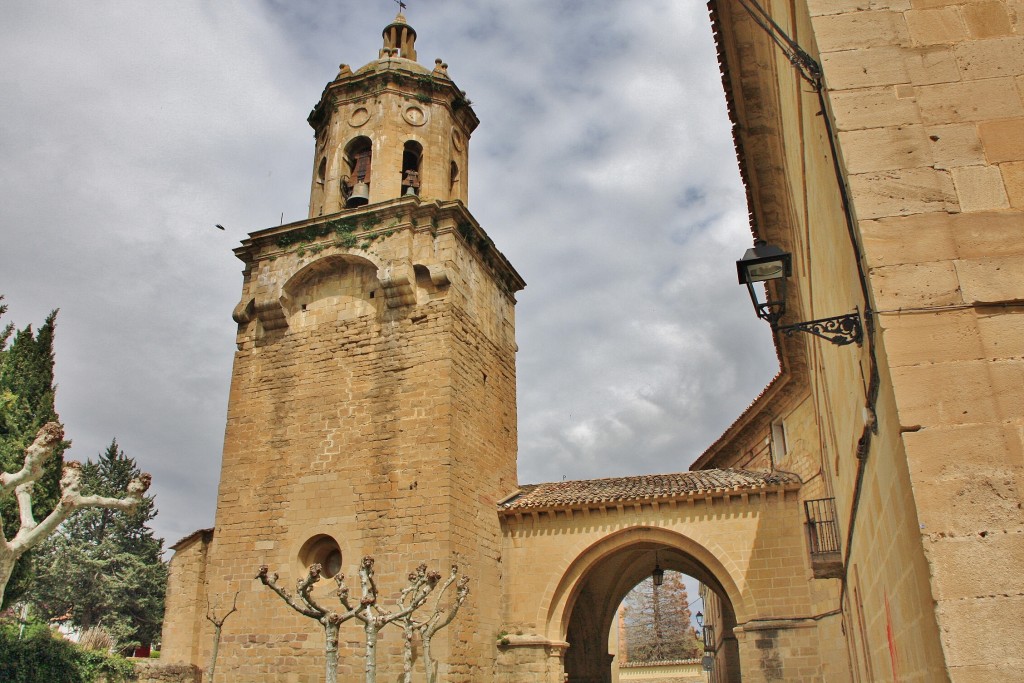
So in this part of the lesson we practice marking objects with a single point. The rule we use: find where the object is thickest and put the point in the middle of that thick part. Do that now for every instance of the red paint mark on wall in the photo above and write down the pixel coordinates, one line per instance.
(894, 656)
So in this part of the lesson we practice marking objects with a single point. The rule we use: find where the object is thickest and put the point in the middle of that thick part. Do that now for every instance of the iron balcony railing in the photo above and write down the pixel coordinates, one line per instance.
(708, 636)
(822, 529)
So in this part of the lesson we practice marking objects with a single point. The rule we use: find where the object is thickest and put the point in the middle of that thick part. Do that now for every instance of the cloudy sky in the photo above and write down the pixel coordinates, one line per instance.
(603, 168)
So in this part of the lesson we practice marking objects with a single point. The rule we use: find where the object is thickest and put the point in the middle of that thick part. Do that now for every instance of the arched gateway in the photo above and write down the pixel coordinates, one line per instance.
(572, 550)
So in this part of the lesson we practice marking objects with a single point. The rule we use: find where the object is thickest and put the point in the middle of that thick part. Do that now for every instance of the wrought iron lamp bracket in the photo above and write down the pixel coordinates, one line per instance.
(840, 329)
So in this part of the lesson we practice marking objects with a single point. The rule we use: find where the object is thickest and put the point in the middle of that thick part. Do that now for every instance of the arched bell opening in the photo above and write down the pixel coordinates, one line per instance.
(592, 623)
(454, 181)
(412, 156)
(318, 189)
(355, 184)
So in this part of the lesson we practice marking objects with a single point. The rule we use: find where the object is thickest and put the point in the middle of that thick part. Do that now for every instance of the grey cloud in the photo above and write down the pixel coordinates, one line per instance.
(603, 168)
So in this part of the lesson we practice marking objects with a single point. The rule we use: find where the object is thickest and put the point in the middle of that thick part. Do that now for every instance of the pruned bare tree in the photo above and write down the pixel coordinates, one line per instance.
(369, 611)
(331, 620)
(20, 483)
(438, 618)
(374, 617)
(218, 625)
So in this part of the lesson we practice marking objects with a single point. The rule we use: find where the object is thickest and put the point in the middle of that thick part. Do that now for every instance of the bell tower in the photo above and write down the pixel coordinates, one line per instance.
(372, 408)
(390, 129)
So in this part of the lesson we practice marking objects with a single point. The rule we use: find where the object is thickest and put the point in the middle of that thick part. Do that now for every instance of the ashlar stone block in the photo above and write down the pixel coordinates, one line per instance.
(873, 108)
(902, 192)
(859, 30)
(955, 145)
(991, 58)
(1003, 140)
(942, 236)
(865, 68)
(980, 188)
(987, 19)
(884, 149)
(993, 98)
(1013, 181)
(935, 26)
(993, 279)
(826, 7)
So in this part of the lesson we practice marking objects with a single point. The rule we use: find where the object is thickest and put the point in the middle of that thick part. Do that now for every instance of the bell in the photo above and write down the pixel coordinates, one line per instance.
(360, 195)
(410, 190)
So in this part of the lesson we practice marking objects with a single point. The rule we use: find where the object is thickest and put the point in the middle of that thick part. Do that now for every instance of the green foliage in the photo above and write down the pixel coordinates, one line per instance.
(39, 657)
(345, 230)
(26, 404)
(315, 232)
(104, 567)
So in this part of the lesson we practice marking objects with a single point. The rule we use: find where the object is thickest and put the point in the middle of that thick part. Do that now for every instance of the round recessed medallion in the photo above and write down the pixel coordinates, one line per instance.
(359, 117)
(414, 115)
(457, 141)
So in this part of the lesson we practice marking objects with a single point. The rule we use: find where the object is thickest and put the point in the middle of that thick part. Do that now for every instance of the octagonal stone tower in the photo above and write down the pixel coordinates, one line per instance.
(372, 407)
(393, 128)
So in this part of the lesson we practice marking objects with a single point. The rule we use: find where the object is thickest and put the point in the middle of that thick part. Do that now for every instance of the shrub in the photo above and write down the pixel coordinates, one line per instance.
(39, 657)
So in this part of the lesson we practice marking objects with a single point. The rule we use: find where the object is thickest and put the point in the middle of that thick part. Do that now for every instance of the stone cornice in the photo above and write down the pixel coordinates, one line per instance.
(403, 213)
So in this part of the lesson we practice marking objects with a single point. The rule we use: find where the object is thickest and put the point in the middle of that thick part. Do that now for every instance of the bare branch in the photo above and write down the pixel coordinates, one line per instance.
(369, 588)
(36, 455)
(71, 500)
(304, 587)
(329, 619)
(24, 495)
(461, 593)
(211, 616)
(270, 580)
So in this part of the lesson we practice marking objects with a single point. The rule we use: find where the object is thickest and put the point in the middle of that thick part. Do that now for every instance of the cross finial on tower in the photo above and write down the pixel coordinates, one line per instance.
(401, 6)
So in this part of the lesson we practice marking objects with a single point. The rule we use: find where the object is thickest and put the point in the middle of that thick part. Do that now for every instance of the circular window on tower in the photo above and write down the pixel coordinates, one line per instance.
(322, 550)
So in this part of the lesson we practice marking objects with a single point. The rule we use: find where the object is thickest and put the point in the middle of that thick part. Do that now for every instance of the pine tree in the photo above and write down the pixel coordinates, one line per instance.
(657, 622)
(26, 404)
(103, 567)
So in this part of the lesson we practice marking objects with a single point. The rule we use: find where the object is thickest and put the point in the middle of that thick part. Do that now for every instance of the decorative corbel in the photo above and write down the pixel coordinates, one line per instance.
(244, 311)
(439, 274)
(397, 281)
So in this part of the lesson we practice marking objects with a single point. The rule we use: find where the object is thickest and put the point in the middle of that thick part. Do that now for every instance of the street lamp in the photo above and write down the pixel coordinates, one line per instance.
(768, 263)
(700, 619)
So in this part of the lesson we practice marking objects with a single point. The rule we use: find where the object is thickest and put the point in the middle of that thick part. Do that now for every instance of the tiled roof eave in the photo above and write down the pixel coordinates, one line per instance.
(511, 509)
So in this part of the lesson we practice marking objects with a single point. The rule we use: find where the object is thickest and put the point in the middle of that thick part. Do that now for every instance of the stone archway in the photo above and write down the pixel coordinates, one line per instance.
(600, 578)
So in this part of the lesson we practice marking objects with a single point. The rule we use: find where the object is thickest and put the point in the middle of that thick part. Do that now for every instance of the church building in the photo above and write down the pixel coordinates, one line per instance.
(862, 520)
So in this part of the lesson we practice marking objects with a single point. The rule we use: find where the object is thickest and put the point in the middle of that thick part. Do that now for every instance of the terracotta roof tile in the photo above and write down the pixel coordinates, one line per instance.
(206, 533)
(644, 487)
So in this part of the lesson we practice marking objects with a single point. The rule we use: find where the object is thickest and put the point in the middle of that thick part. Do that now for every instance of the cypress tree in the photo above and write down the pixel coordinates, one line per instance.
(26, 404)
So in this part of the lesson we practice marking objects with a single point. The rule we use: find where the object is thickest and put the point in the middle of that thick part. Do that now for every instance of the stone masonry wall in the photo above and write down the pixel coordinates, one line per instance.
(927, 97)
(386, 422)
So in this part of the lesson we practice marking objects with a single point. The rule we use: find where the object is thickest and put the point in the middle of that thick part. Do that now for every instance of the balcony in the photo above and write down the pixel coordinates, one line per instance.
(823, 538)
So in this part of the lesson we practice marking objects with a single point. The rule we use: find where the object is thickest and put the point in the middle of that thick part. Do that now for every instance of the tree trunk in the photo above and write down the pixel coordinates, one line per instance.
(213, 652)
(371, 653)
(6, 569)
(407, 633)
(331, 652)
(428, 661)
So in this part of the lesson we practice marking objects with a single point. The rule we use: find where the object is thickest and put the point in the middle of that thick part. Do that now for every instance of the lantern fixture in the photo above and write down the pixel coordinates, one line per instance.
(767, 263)
(658, 575)
(700, 619)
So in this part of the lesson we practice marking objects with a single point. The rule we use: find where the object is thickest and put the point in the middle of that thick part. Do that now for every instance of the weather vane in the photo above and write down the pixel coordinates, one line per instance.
(401, 6)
